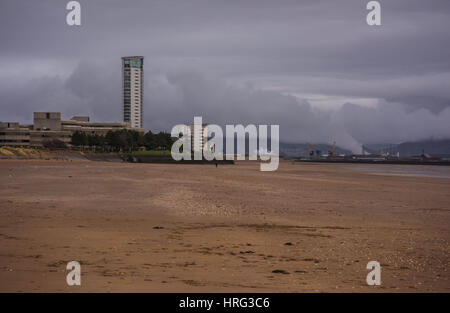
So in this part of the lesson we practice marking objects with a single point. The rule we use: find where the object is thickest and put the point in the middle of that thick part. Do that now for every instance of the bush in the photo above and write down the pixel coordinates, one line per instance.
(123, 140)
(54, 144)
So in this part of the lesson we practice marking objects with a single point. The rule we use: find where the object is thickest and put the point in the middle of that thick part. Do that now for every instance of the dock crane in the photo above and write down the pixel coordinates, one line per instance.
(311, 151)
(330, 152)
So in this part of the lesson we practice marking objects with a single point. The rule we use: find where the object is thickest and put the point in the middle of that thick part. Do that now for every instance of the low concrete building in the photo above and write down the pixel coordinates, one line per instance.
(49, 126)
(47, 121)
(99, 128)
(201, 132)
(13, 134)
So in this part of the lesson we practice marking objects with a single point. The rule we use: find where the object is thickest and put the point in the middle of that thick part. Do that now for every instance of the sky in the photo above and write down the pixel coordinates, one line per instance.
(314, 67)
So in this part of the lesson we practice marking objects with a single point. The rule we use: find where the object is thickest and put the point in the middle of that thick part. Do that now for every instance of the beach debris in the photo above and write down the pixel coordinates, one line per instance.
(280, 272)
(158, 227)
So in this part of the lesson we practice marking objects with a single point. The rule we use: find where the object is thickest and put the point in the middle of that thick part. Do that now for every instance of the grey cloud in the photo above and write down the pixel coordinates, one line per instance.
(390, 123)
(177, 96)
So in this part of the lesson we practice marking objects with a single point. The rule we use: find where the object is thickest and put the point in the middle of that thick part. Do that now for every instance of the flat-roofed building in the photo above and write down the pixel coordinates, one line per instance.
(14, 134)
(97, 128)
(47, 121)
(49, 126)
(39, 137)
(201, 132)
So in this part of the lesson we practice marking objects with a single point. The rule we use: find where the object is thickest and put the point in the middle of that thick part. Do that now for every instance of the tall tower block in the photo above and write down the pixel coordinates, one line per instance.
(133, 90)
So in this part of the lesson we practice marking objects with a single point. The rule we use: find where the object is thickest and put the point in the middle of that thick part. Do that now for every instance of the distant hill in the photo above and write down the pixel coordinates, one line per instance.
(435, 147)
(432, 147)
(438, 148)
(294, 149)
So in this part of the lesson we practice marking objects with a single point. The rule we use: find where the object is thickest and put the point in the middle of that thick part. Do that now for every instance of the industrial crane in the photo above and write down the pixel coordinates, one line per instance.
(311, 151)
(330, 152)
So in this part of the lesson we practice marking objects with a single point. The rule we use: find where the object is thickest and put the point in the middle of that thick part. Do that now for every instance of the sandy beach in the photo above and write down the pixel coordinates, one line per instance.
(197, 228)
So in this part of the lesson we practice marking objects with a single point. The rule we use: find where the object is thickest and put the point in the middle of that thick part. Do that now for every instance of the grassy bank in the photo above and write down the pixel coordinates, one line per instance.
(151, 152)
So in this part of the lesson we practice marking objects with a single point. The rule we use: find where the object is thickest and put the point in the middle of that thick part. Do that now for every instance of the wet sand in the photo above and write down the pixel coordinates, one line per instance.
(197, 228)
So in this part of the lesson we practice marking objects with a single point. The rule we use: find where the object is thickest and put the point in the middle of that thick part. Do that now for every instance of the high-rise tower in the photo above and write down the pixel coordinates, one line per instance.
(133, 90)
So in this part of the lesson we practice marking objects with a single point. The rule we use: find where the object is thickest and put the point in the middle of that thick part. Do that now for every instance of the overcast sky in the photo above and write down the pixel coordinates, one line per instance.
(312, 66)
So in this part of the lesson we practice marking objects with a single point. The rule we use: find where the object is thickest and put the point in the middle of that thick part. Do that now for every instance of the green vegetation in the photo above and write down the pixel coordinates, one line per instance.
(152, 152)
(54, 144)
(122, 141)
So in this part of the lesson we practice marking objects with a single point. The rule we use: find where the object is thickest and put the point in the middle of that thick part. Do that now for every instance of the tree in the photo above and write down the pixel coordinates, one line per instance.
(76, 139)
(112, 140)
(149, 140)
(54, 144)
(163, 141)
(79, 139)
(116, 141)
(95, 141)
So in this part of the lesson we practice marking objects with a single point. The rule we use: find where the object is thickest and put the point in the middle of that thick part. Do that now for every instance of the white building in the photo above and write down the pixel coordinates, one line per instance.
(199, 137)
(133, 90)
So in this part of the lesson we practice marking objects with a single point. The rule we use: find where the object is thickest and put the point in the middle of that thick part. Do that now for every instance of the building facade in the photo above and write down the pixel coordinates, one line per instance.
(201, 133)
(133, 90)
(49, 126)
(15, 135)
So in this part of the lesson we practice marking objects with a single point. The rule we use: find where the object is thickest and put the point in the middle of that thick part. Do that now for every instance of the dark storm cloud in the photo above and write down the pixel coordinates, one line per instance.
(236, 61)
